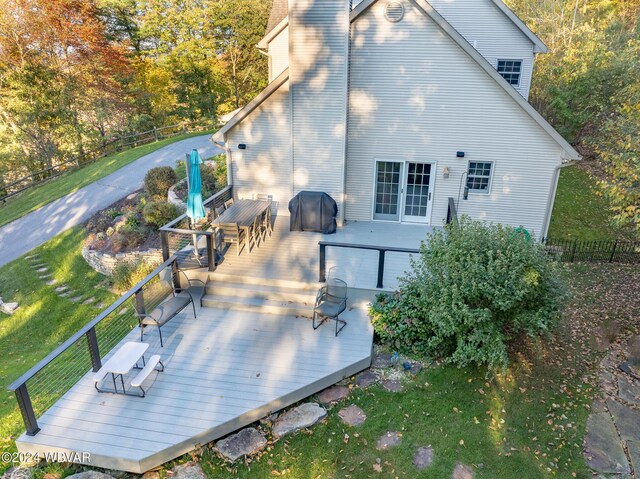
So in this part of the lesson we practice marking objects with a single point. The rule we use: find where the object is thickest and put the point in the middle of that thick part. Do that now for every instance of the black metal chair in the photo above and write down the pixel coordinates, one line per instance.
(331, 300)
(232, 233)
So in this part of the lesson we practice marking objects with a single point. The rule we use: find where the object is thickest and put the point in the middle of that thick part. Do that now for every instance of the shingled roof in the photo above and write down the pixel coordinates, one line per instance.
(279, 10)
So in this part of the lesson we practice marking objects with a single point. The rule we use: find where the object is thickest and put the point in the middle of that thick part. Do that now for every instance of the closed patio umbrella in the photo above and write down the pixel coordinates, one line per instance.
(195, 207)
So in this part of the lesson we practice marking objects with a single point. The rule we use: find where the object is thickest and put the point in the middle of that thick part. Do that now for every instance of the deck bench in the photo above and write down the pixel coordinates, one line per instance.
(167, 310)
(146, 371)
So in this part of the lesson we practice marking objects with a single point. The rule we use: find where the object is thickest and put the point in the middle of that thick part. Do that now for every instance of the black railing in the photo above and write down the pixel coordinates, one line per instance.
(180, 238)
(575, 251)
(110, 147)
(40, 387)
(382, 251)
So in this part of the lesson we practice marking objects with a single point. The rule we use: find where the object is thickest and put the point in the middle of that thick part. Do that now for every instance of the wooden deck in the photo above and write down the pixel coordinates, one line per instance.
(294, 256)
(223, 370)
(231, 367)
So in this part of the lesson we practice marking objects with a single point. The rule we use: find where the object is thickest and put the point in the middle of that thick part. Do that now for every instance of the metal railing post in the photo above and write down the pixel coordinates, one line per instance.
(323, 259)
(613, 253)
(211, 253)
(26, 409)
(94, 350)
(164, 239)
(381, 255)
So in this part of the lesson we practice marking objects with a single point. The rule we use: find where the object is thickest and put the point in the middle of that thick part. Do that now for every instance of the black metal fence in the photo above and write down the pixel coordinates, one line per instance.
(110, 147)
(195, 247)
(574, 251)
(45, 383)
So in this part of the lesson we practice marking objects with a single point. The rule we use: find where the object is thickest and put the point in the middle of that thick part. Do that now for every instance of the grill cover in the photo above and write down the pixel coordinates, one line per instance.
(313, 211)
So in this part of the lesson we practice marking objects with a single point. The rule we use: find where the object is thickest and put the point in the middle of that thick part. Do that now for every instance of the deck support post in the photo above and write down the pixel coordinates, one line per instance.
(381, 254)
(26, 409)
(94, 350)
(323, 266)
(211, 253)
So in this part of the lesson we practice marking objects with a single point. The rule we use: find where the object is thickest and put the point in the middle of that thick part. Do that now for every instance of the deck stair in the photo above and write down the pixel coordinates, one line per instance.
(260, 295)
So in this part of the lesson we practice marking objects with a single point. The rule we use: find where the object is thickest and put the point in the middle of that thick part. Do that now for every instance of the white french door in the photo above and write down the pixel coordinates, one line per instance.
(403, 191)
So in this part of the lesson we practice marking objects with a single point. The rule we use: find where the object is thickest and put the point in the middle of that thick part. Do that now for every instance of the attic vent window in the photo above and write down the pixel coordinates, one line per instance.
(394, 11)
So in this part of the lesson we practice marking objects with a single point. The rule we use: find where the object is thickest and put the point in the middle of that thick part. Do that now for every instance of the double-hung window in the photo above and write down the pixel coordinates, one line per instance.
(479, 176)
(511, 70)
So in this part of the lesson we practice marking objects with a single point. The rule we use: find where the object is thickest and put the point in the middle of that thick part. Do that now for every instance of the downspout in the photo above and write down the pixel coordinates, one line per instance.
(552, 197)
(225, 148)
(266, 54)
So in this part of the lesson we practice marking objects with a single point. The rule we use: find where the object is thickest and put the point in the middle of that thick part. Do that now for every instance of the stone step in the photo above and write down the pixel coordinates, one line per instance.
(279, 283)
(276, 293)
(257, 305)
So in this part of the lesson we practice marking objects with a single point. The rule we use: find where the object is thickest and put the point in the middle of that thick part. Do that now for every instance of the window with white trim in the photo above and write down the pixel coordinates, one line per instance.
(510, 71)
(479, 176)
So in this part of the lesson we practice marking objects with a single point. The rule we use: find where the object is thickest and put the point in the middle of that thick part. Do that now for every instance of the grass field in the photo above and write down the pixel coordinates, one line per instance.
(579, 212)
(44, 319)
(41, 195)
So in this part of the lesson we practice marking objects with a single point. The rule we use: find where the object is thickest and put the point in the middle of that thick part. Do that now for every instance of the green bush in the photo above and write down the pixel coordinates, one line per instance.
(158, 180)
(209, 182)
(472, 291)
(127, 275)
(159, 213)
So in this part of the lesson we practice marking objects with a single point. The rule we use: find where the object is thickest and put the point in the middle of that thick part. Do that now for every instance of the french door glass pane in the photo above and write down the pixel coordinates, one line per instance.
(387, 190)
(417, 197)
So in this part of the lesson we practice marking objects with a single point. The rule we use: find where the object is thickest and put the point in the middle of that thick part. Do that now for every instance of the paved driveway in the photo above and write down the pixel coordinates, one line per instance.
(33, 229)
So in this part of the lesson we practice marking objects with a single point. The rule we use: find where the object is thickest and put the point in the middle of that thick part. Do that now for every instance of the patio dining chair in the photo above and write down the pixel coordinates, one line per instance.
(219, 210)
(232, 233)
(330, 302)
(255, 233)
(228, 203)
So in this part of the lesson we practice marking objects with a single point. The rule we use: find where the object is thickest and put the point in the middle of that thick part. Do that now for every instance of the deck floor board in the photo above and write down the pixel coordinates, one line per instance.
(224, 369)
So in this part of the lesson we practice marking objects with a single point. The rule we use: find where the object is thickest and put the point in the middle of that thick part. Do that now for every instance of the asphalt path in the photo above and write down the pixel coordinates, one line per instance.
(37, 227)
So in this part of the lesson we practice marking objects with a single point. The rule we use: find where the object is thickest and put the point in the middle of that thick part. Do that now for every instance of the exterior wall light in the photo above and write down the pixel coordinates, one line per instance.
(445, 172)
(242, 146)
(460, 154)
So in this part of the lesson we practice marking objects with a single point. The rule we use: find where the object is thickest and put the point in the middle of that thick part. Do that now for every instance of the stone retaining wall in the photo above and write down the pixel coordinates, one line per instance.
(105, 263)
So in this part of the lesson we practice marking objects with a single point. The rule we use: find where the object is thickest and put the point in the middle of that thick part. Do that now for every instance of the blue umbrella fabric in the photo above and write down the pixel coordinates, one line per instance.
(195, 207)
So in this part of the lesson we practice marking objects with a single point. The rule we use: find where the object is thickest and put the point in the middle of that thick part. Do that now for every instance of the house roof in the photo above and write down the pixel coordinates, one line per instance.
(279, 11)
(428, 10)
(252, 105)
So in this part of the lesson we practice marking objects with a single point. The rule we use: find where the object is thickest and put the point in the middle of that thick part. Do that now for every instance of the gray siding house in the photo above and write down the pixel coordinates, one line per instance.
(394, 106)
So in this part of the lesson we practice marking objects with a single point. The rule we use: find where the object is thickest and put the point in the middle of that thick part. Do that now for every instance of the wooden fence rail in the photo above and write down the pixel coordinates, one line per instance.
(110, 147)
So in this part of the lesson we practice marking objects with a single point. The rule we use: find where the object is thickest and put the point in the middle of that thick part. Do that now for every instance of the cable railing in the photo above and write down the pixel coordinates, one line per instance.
(45, 383)
(195, 246)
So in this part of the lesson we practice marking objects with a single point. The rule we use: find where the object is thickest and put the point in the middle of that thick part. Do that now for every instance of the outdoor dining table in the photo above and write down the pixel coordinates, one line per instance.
(242, 213)
(123, 361)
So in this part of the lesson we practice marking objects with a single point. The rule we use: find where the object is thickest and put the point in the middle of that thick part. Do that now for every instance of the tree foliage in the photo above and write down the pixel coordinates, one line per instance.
(473, 290)
(76, 73)
(588, 85)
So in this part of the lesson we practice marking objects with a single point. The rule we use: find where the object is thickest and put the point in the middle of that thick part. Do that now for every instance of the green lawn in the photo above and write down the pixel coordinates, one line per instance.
(44, 320)
(579, 212)
(39, 196)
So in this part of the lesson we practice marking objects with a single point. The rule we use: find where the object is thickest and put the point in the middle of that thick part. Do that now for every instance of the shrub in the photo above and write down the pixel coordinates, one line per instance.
(472, 291)
(157, 181)
(99, 222)
(220, 169)
(209, 182)
(127, 275)
(159, 213)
